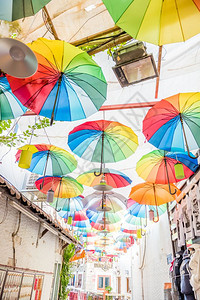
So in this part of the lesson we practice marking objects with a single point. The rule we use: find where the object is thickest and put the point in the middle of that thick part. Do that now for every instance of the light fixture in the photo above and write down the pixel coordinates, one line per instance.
(104, 208)
(133, 64)
(103, 187)
(90, 7)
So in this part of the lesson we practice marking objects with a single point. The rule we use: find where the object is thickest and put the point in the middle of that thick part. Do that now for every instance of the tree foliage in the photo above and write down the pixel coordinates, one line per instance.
(66, 272)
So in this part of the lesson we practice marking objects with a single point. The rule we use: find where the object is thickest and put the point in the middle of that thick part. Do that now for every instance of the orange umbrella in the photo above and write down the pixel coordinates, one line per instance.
(153, 194)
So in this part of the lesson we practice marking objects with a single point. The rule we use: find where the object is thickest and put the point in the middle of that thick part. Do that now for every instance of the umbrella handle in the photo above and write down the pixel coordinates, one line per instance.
(170, 191)
(186, 143)
(100, 172)
(143, 234)
(168, 178)
(156, 221)
(57, 210)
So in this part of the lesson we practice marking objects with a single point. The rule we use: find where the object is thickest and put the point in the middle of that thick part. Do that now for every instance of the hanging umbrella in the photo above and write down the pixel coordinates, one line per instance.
(63, 187)
(98, 217)
(10, 106)
(153, 194)
(103, 141)
(68, 204)
(145, 211)
(75, 216)
(157, 22)
(67, 86)
(173, 124)
(107, 227)
(81, 224)
(113, 178)
(128, 231)
(13, 9)
(113, 201)
(159, 166)
(50, 160)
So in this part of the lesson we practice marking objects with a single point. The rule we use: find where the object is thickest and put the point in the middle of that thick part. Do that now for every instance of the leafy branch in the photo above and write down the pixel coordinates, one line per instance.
(12, 139)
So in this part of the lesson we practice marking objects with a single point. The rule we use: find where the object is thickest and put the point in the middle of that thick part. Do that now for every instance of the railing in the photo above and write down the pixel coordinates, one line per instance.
(20, 285)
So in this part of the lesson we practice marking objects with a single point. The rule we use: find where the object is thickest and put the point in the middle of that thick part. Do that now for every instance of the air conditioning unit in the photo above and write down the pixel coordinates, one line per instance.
(133, 64)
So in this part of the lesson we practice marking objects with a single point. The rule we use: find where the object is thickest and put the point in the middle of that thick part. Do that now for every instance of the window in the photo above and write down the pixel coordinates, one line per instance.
(103, 282)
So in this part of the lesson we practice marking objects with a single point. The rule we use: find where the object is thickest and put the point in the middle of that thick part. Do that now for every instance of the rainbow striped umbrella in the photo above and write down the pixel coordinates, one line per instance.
(158, 22)
(142, 211)
(63, 186)
(10, 106)
(77, 216)
(98, 217)
(173, 124)
(113, 178)
(158, 166)
(49, 160)
(103, 141)
(116, 202)
(67, 86)
(68, 204)
(108, 227)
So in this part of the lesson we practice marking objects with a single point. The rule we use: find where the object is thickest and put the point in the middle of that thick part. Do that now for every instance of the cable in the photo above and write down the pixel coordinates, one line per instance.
(85, 23)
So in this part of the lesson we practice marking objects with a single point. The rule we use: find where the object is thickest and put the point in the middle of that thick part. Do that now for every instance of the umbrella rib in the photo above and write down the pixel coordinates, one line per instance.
(179, 20)
(56, 63)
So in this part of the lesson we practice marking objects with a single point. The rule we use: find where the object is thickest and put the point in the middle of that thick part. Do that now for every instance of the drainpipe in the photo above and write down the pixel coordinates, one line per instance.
(13, 240)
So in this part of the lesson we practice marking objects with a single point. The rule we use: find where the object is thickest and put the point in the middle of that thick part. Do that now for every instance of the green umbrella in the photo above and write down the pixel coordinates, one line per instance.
(12, 10)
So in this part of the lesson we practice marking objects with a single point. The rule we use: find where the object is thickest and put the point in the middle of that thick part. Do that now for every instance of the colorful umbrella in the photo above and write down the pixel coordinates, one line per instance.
(128, 231)
(68, 85)
(158, 22)
(107, 227)
(13, 9)
(10, 106)
(95, 217)
(103, 141)
(50, 160)
(114, 201)
(81, 224)
(113, 178)
(142, 211)
(68, 204)
(158, 166)
(153, 194)
(63, 187)
(173, 123)
(77, 216)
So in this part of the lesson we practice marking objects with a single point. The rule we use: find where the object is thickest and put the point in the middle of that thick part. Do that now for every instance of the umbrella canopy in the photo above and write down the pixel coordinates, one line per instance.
(81, 225)
(113, 178)
(10, 106)
(142, 211)
(67, 86)
(158, 22)
(50, 160)
(103, 141)
(98, 217)
(68, 204)
(108, 227)
(63, 187)
(116, 202)
(158, 166)
(173, 123)
(78, 216)
(128, 231)
(134, 221)
(13, 9)
(153, 194)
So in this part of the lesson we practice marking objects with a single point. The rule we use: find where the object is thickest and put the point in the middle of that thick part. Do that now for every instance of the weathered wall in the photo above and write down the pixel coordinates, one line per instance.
(41, 258)
(156, 269)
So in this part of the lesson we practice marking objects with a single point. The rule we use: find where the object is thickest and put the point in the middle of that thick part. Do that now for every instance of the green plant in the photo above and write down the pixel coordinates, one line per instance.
(66, 271)
(11, 139)
(108, 288)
